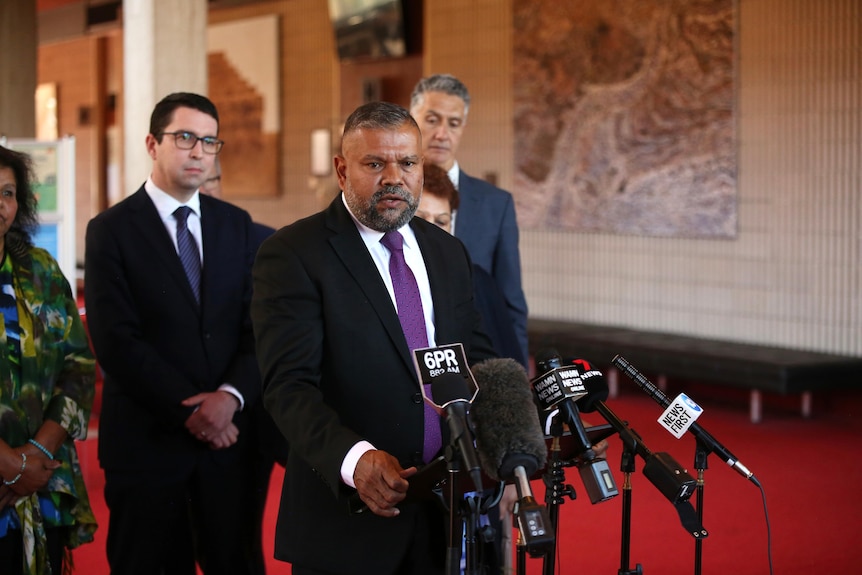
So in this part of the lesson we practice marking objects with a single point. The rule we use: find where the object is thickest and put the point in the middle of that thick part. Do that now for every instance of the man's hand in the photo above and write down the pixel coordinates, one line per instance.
(600, 448)
(381, 482)
(510, 497)
(213, 415)
(224, 439)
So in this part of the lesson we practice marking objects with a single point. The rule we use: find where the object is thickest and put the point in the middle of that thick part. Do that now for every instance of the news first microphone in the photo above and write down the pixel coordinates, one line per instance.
(680, 415)
(560, 388)
(662, 470)
(511, 443)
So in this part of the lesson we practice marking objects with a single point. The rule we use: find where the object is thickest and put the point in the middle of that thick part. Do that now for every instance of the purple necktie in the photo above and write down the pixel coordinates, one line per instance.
(412, 318)
(188, 250)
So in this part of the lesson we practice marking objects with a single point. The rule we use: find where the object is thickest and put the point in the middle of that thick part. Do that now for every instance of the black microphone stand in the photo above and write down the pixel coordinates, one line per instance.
(663, 472)
(555, 491)
(463, 517)
(700, 465)
(471, 518)
(521, 555)
(627, 466)
(456, 534)
(631, 444)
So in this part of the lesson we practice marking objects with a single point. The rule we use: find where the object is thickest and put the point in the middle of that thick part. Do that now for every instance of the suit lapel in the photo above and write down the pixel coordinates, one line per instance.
(435, 263)
(351, 250)
(468, 209)
(156, 239)
(211, 223)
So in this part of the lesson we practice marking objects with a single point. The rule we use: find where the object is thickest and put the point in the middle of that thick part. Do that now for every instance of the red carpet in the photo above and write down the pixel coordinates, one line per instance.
(810, 471)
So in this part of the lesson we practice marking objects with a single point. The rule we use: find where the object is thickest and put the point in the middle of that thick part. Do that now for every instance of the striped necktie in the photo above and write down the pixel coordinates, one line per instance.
(187, 247)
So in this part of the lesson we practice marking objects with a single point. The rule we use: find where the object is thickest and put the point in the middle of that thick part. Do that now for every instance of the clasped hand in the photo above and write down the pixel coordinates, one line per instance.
(212, 420)
(37, 472)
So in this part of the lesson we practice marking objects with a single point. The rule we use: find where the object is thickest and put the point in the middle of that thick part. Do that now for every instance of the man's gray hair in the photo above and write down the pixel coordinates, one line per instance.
(446, 83)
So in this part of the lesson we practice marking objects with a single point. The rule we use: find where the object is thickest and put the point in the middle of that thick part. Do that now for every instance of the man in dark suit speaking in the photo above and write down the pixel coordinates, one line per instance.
(485, 220)
(168, 289)
(335, 351)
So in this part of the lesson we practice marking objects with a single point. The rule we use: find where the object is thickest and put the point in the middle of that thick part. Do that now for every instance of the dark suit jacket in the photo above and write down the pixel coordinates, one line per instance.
(487, 225)
(337, 369)
(154, 344)
(268, 439)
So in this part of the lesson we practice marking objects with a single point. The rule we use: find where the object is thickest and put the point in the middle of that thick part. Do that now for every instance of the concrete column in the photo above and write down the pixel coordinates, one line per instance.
(164, 51)
(18, 64)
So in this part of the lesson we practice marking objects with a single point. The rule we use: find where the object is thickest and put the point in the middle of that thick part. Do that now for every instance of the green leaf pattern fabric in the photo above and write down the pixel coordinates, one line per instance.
(56, 382)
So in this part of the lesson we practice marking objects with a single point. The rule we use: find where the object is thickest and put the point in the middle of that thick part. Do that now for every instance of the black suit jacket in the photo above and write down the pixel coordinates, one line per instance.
(269, 441)
(155, 345)
(337, 369)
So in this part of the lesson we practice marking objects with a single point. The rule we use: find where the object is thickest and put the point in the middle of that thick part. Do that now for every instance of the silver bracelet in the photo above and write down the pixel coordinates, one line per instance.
(20, 473)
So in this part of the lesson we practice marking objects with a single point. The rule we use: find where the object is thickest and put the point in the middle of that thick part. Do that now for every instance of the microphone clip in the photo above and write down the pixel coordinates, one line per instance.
(535, 526)
(669, 477)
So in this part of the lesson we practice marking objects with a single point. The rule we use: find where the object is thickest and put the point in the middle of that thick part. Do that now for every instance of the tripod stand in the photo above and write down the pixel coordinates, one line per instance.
(556, 491)
(663, 472)
(563, 452)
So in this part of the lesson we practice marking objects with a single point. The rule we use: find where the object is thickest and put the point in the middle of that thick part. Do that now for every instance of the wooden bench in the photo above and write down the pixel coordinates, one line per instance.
(757, 368)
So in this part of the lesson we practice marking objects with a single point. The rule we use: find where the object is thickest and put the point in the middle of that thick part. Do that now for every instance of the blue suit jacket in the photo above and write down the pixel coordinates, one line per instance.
(486, 224)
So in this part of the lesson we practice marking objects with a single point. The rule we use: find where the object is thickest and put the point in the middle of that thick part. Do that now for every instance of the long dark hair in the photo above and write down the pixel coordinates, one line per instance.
(19, 238)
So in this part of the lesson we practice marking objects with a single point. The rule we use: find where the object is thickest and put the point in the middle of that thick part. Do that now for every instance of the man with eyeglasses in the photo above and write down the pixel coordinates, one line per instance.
(168, 288)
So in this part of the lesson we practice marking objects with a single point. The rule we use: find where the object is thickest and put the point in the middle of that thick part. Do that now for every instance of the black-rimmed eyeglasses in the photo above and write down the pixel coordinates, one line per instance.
(187, 141)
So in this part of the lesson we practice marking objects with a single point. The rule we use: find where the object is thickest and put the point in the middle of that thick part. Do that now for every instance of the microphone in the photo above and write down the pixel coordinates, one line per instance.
(449, 390)
(595, 384)
(707, 440)
(662, 470)
(562, 387)
(511, 443)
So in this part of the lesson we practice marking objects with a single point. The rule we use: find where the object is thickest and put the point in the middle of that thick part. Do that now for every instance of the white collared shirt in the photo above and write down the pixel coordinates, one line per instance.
(454, 174)
(413, 258)
(166, 205)
(380, 255)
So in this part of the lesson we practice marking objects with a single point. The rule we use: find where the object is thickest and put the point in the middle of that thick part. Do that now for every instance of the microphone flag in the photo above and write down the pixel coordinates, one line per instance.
(434, 362)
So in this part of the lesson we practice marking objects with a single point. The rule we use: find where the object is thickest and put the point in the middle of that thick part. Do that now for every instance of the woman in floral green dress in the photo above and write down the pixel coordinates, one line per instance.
(47, 385)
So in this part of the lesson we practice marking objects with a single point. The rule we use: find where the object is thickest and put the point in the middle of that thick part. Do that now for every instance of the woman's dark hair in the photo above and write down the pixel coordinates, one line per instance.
(19, 238)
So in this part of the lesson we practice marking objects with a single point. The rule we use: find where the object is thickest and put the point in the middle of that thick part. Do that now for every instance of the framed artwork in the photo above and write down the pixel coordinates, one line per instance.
(244, 83)
(625, 117)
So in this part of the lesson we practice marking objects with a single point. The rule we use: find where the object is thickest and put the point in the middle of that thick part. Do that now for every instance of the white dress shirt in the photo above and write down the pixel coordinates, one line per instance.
(380, 255)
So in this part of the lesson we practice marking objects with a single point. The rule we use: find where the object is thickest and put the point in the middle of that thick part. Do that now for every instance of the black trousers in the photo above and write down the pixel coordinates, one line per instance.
(425, 556)
(12, 550)
(164, 529)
